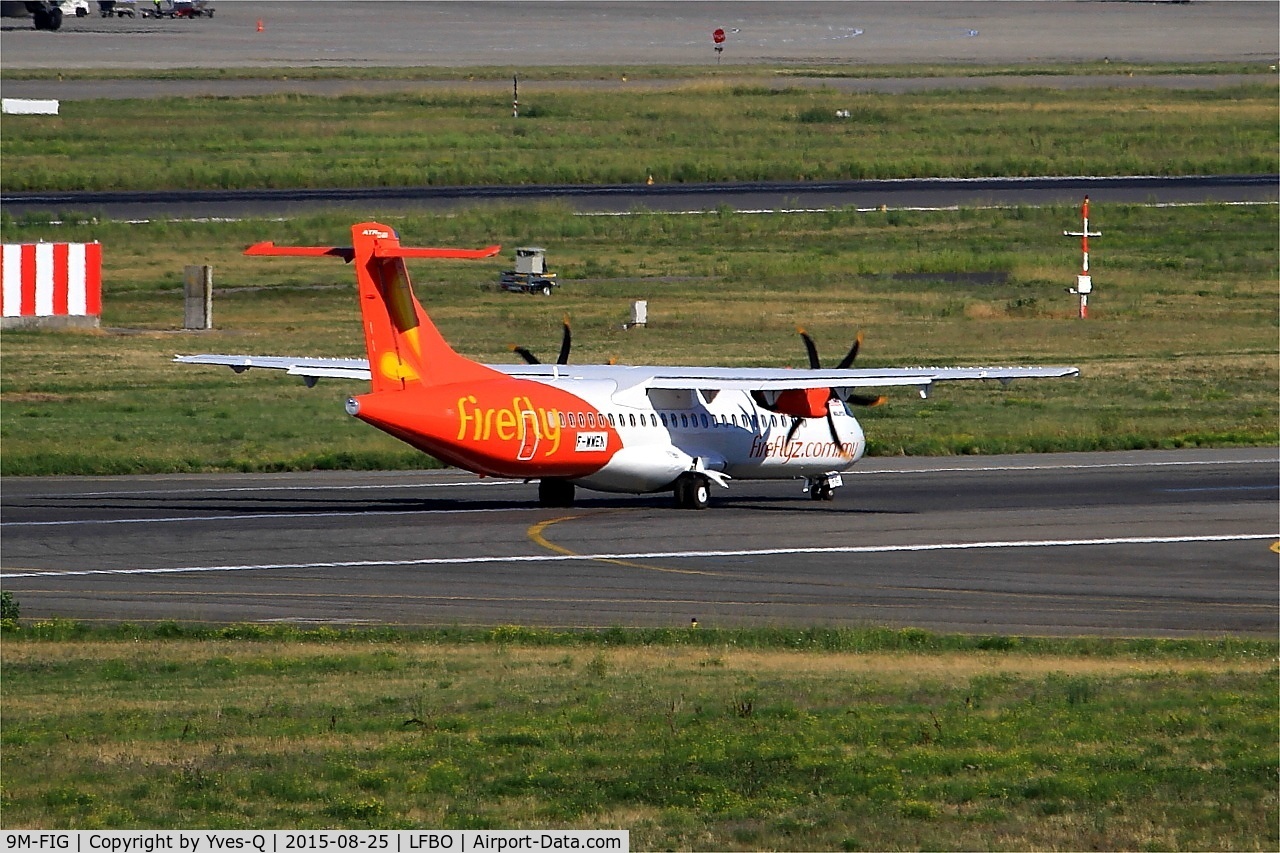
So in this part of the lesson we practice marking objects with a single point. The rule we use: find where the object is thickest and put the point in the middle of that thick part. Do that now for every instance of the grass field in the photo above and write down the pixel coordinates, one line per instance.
(1180, 349)
(703, 130)
(857, 739)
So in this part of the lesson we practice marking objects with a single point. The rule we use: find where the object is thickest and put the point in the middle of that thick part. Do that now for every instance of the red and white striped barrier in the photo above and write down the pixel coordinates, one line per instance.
(51, 284)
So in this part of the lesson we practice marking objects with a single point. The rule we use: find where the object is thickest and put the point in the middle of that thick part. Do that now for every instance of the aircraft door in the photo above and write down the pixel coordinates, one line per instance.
(529, 435)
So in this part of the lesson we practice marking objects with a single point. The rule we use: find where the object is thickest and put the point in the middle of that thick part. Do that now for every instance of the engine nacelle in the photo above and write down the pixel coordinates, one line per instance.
(797, 402)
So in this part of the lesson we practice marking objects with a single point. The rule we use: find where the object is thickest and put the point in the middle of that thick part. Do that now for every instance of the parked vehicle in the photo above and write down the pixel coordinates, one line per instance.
(48, 14)
(530, 274)
(178, 9)
(116, 8)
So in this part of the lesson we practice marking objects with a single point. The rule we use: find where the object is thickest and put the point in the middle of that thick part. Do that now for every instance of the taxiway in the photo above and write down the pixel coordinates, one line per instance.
(1146, 543)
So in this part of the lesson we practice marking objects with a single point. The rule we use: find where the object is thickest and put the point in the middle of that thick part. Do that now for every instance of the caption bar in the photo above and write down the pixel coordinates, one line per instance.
(311, 840)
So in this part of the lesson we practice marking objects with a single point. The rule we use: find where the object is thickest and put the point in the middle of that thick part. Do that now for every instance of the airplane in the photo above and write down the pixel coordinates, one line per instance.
(606, 427)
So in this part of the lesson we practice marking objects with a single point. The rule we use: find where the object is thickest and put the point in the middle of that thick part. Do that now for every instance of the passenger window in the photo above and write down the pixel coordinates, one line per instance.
(572, 420)
(684, 420)
(664, 419)
(633, 419)
(611, 421)
(591, 419)
(560, 415)
(704, 422)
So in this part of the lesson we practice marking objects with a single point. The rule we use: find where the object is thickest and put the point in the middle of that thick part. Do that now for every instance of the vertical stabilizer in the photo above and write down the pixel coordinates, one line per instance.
(404, 346)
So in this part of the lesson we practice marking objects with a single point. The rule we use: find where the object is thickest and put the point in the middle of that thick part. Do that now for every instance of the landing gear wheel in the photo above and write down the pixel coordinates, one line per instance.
(822, 492)
(692, 491)
(546, 290)
(47, 19)
(556, 493)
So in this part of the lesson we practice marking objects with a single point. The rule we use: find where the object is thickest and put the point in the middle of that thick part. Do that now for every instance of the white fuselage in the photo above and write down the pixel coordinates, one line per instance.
(665, 433)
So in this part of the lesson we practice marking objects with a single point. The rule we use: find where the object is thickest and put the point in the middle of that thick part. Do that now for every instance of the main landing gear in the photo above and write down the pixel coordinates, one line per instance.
(823, 488)
(692, 491)
(553, 492)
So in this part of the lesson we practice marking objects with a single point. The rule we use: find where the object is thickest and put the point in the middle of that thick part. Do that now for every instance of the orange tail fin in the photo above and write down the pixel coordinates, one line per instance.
(404, 346)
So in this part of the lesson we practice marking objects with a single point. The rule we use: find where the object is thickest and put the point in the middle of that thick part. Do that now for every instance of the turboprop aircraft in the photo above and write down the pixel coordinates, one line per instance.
(611, 428)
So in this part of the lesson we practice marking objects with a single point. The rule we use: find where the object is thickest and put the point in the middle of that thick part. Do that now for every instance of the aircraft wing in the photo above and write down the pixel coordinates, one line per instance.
(308, 368)
(773, 378)
(665, 378)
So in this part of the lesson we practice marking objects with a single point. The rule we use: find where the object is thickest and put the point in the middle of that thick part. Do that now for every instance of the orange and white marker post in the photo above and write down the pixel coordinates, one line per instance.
(1084, 284)
(51, 285)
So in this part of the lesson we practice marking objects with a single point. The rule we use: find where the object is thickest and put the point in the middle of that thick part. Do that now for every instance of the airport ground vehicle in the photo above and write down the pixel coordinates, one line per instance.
(116, 8)
(178, 9)
(530, 274)
(48, 14)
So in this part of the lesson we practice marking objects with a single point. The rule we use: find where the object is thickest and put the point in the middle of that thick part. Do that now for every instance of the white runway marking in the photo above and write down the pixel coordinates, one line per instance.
(653, 555)
(283, 487)
(259, 516)
(1065, 466)
(856, 472)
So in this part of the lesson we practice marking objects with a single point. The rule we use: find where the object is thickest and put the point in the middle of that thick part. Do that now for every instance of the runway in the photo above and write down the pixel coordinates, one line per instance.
(757, 197)
(619, 34)
(1155, 543)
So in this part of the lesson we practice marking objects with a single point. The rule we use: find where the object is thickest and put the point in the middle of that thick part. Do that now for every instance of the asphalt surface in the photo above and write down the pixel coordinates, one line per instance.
(929, 193)
(617, 34)
(1150, 543)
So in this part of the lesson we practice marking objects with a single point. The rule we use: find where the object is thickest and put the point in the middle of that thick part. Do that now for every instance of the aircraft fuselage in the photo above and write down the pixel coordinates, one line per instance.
(585, 432)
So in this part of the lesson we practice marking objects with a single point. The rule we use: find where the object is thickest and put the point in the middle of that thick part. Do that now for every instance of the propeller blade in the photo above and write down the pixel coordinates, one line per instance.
(791, 433)
(835, 436)
(851, 354)
(565, 342)
(860, 400)
(811, 348)
(529, 358)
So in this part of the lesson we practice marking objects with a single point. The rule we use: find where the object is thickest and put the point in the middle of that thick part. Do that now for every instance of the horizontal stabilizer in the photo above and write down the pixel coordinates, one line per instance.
(347, 253)
(270, 248)
(381, 251)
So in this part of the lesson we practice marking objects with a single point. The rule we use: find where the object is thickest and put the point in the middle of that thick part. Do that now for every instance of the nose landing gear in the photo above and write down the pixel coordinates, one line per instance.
(823, 488)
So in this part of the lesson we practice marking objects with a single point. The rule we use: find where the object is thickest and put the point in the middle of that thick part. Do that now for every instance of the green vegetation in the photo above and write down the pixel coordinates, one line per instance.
(1179, 350)
(696, 131)
(769, 739)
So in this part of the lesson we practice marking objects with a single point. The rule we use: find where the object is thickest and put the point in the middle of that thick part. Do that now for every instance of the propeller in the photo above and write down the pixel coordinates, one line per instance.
(566, 341)
(816, 364)
(845, 364)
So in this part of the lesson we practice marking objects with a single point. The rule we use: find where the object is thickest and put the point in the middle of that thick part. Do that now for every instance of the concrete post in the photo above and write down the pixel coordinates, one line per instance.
(198, 305)
(639, 313)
